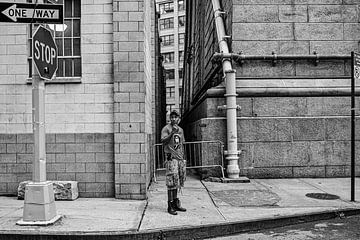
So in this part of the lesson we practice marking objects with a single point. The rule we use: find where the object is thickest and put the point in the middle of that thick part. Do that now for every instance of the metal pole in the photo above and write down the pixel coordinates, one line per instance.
(38, 116)
(352, 129)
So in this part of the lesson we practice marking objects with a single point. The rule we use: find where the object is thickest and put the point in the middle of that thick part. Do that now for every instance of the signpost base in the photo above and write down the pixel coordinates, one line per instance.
(39, 205)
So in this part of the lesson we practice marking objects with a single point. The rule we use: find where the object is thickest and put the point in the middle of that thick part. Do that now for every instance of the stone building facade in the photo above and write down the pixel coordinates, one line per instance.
(295, 114)
(100, 108)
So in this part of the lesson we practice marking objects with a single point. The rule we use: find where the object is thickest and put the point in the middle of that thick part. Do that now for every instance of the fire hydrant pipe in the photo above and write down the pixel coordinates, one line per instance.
(232, 154)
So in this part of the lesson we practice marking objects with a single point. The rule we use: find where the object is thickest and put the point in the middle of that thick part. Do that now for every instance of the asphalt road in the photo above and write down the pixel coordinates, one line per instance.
(333, 229)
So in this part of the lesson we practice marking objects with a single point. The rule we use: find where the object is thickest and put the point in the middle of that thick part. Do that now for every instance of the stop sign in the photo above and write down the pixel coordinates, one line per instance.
(44, 53)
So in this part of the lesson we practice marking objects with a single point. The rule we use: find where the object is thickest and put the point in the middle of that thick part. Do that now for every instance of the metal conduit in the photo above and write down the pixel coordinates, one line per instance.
(274, 57)
(232, 153)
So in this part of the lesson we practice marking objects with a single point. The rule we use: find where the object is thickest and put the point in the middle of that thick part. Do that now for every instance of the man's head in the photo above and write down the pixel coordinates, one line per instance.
(174, 117)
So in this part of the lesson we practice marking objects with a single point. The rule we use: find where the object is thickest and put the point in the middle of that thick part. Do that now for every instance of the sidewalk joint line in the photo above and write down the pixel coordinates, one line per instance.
(142, 215)
(209, 193)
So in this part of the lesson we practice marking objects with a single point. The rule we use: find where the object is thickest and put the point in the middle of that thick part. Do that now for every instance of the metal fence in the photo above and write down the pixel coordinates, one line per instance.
(200, 154)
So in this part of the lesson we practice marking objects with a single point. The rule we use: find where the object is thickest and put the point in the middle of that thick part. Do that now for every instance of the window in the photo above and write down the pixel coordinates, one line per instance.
(181, 38)
(67, 38)
(166, 7)
(166, 23)
(182, 21)
(170, 92)
(181, 5)
(169, 74)
(181, 56)
(167, 40)
(168, 57)
(170, 107)
(181, 73)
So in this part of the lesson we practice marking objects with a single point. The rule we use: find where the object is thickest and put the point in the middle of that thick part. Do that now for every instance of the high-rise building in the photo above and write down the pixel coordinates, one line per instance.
(172, 35)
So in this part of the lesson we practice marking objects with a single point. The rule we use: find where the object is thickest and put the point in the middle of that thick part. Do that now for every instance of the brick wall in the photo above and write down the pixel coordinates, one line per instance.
(86, 158)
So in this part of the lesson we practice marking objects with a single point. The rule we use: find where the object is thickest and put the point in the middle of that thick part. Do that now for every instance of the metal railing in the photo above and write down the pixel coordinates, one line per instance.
(199, 154)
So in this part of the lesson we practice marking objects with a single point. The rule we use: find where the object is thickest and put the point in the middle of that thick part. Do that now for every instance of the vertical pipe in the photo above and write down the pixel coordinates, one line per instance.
(352, 128)
(232, 154)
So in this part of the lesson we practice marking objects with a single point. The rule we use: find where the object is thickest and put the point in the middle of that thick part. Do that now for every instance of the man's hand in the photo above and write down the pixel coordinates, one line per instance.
(175, 129)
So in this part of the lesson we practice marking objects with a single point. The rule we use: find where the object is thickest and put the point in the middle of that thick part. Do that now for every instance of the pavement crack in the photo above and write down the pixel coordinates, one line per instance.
(210, 195)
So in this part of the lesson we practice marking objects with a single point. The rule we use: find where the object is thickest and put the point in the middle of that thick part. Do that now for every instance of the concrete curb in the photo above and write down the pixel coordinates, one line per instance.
(186, 232)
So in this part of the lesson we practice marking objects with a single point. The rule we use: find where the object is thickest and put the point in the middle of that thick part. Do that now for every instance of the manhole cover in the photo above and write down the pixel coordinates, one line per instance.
(322, 196)
(242, 198)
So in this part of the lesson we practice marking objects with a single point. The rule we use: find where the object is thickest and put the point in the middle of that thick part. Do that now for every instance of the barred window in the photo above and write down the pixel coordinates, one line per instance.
(168, 57)
(170, 92)
(167, 40)
(182, 21)
(181, 73)
(166, 23)
(181, 38)
(166, 7)
(67, 38)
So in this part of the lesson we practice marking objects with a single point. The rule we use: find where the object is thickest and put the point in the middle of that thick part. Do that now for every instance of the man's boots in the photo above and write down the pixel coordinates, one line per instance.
(171, 203)
(177, 204)
(171, 209)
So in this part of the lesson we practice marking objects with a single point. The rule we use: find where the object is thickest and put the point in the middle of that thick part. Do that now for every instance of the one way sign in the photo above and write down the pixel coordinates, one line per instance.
(31, 13)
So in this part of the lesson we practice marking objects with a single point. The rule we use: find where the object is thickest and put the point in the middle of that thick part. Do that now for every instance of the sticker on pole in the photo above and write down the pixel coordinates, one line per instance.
(44, 53)
(357, 66)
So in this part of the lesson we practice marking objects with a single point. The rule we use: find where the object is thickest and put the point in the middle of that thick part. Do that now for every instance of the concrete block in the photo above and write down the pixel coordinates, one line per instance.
(265, 68)
(24, 138)
(328, 106)
(130, 188)
(273, 172)
(333, 13)
(75, 167)
(308, 129)
(8, 158)
(351, 31)
(8, 138)
(63, 190)
(95, 187)
(104, 157)
(64, 158)
(104, 177)
(84, 138)
(85, 178)
(128, 6)
(130, 148)
(94, 147)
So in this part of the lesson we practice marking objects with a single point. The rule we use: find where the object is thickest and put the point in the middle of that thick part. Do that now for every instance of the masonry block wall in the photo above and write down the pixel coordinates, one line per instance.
(79, 116)
(291, 136)
(132, 96)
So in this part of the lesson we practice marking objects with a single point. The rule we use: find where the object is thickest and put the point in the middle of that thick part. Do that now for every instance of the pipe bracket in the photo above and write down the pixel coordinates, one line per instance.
(316, 62)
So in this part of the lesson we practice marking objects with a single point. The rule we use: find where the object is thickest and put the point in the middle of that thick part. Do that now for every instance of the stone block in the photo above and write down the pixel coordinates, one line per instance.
(273, 172)
(256, 47)
(294, 47)
(255, 13)
(293, 13)
(309, 171)
(279, 107)
(308, 129)
(63, 190)
(319, 31)
(262, 31)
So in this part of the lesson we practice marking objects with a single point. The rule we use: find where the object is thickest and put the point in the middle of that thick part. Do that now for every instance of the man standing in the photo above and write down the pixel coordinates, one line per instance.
(172, 137)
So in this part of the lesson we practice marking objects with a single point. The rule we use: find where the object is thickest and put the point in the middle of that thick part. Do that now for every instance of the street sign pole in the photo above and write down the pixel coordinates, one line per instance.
(352, 128)
(39, 203)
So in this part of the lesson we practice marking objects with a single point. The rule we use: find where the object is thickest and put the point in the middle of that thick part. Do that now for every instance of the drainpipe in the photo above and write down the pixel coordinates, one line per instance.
(232, 153)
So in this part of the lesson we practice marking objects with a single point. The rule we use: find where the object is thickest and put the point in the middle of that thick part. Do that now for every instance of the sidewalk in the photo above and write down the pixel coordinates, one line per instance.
(213, 209)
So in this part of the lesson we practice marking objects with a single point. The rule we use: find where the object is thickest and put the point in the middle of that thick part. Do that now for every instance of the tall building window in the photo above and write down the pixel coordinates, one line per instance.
(67, 38)
(181, 38)
(181, 56)
(181, 5)
(168, 57)
(170, 92)
(181, 73)
(166, 7)
(182, 21)
(169, 74)
(170, 107)
(166, 23)
(167, 40)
